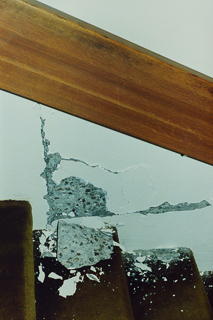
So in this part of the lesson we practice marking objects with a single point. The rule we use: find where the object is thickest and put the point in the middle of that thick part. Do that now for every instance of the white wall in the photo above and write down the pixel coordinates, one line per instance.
(151, 175)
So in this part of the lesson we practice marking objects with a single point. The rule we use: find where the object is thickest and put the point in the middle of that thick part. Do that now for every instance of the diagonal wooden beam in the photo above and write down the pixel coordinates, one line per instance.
(64, 63)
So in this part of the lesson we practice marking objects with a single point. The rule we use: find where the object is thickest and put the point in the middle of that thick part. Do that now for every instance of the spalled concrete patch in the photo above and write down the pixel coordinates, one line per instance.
(80, 246)
(73, 197)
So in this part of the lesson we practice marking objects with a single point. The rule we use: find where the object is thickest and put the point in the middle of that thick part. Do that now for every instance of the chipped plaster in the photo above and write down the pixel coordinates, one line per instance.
(69, 198)
(151, 176)
(167, 207)
(74, 197)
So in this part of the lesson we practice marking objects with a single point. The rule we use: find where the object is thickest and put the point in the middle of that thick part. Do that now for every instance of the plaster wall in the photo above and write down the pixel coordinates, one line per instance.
(135, 175)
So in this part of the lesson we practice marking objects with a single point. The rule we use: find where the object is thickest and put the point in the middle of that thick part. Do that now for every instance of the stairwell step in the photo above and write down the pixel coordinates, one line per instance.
(166, 284)
(207, 279)
(17, 297)
(101, 295)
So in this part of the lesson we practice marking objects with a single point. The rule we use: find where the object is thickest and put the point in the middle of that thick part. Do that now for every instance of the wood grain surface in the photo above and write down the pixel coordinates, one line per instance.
(61, 62)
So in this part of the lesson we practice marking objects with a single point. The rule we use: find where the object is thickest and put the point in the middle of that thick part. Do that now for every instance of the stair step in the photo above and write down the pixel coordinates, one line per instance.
(104, 299)
(17, 298)
(207, 278)
(162, 283)
(166, 284)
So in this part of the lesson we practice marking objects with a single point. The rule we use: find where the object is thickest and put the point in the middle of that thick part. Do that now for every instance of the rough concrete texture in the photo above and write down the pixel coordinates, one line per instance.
(72, 197)
(80, 246)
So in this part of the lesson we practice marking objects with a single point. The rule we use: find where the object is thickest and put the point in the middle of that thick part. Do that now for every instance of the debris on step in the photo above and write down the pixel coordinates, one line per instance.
(61, 291)
(165, 284)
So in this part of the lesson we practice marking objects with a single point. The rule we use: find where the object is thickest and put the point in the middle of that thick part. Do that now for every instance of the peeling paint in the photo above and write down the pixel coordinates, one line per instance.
(54, 275)
(48, 240)
(75, 198)
(167, 207)
(69, 286)
(92, 277)
(41, 275)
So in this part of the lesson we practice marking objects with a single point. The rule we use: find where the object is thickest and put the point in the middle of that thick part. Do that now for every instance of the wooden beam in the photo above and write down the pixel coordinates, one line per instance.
(64, 63)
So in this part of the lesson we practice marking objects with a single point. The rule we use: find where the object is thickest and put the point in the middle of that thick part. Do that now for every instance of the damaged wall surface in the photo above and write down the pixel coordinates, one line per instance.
(154, 197)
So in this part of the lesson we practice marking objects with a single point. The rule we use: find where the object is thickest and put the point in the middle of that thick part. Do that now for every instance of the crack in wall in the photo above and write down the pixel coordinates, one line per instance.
(103, 168)
(74, 197)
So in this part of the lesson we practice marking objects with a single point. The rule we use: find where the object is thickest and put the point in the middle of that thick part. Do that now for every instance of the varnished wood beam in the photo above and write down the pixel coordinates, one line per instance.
(64, 63)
